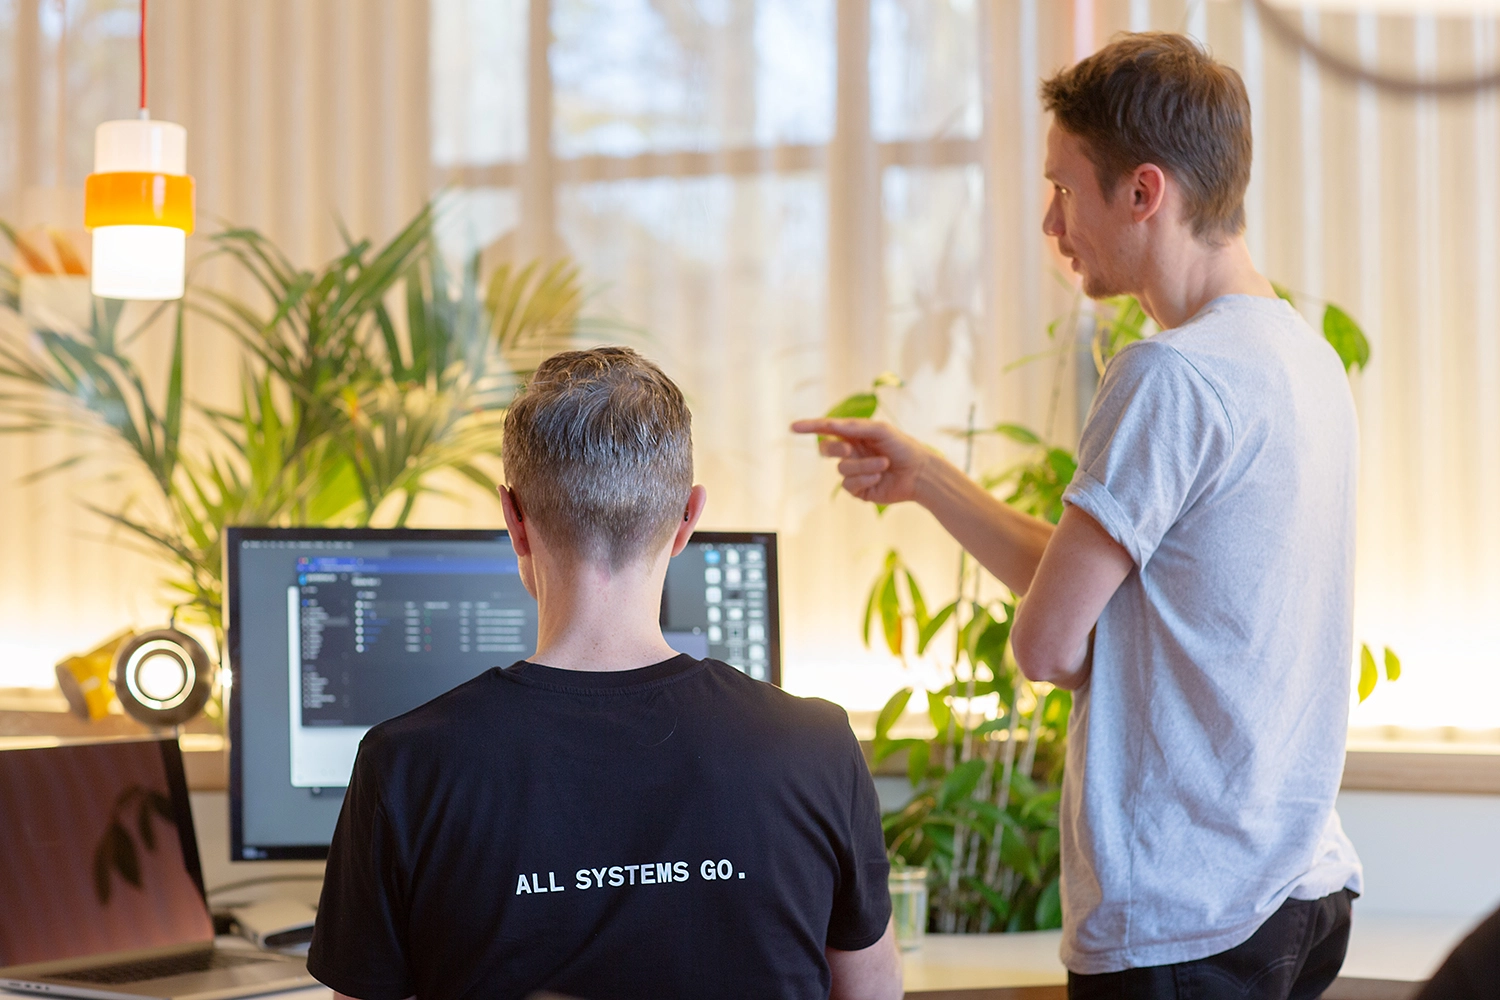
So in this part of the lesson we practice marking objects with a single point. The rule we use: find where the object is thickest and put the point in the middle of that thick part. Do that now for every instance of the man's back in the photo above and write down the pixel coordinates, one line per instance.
(1207, 746)
(674, 830)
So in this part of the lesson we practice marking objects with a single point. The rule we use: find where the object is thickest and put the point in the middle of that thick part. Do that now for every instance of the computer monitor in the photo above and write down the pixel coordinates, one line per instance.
(331, 631)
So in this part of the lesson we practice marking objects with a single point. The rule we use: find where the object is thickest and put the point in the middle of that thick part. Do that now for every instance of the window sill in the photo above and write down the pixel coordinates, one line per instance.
(1455, 766)
(1372, 765)
(40, 718)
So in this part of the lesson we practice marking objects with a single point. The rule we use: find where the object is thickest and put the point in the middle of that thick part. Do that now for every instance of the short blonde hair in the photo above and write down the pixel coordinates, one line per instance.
(598, 450)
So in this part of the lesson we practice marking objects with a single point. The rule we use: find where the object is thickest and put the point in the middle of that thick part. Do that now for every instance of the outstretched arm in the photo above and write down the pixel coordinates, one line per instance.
(882, 465)
(1067, 573)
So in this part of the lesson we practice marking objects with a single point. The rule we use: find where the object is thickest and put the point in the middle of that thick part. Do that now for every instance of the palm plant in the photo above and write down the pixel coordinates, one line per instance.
(349, 410)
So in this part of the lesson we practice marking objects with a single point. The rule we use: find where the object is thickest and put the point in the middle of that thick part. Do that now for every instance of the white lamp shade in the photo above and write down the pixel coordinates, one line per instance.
(140, 144)
(139, 262)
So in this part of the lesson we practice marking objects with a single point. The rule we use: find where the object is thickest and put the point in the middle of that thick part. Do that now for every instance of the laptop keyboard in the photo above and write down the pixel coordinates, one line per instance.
(156, 968)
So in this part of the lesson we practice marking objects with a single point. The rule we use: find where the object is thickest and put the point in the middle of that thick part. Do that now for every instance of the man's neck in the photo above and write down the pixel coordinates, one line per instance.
(1184, 276)
(590, 617)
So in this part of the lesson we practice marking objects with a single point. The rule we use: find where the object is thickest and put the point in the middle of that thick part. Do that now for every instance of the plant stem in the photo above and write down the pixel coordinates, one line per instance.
(960, 831)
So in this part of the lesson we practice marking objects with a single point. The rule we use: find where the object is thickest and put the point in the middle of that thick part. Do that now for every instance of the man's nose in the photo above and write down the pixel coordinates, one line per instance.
(1052, 221)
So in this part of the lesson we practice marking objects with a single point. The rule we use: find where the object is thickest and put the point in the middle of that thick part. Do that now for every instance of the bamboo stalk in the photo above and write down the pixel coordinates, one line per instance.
(949, 909)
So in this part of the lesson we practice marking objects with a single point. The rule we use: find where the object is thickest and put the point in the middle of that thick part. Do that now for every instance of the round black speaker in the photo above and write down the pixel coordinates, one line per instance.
(163, 678)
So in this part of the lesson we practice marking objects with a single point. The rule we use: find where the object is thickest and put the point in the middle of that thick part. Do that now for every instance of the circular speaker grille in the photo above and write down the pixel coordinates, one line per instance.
(163, 678)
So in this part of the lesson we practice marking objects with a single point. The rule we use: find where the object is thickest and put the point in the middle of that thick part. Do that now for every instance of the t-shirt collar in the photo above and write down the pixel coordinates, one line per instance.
(536, 675)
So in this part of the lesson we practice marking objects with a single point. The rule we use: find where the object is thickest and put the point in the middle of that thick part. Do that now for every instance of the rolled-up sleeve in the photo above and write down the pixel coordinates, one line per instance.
(1156, 437)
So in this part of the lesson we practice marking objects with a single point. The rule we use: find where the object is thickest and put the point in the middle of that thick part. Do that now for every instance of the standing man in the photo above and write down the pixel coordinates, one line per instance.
(1196, 595)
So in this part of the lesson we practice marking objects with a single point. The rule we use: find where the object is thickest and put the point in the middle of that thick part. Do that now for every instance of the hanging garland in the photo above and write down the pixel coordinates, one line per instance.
(1284, 28)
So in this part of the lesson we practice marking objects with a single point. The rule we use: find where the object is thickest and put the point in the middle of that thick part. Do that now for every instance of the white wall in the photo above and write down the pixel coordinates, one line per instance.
(1425, 855)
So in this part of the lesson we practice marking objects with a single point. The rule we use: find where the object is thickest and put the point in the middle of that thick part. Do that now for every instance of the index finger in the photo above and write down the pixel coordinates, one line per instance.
(844, 427)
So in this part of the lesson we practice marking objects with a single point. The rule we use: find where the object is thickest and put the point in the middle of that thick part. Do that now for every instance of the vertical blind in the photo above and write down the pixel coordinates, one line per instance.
(781, 199)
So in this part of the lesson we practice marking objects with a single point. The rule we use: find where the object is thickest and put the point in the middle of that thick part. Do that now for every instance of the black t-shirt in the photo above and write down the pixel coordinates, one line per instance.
(674, 831)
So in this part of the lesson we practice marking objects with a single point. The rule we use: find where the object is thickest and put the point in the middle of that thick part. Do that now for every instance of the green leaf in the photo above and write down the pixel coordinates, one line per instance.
(934, 625)
(918, 604)
(891, 712)
(1017, 855)
(1346, 337)
(871, 603)
(1368, 675)
(993, 725)
(916, 763)
(1282, 292)
(960, 783)
(941, 836)
(861, 405)
(1392, 665)
(1018, 434)
(989, 647)
(1042, 808)
(891, 620)
(1048, 846)
(1058, 705)
(997, 903)
(887, 380)
(939, 711)
(1049, 907)
(882, 749)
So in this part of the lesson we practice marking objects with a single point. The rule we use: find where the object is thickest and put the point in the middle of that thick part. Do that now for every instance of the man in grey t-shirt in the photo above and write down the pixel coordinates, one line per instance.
(1196, 594)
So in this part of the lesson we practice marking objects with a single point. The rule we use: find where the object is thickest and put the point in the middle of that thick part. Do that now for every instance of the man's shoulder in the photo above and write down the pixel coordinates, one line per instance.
(770, 698)
(450, 714)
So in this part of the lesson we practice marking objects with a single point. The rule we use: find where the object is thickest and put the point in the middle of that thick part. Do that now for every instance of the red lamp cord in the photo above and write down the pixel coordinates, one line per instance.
(143, 58)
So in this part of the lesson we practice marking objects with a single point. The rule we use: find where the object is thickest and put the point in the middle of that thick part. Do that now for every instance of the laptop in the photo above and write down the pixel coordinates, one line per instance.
(100, 890)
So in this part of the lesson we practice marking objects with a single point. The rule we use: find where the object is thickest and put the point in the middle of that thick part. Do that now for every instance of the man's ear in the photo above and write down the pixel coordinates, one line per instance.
(513, 522)
(1148, 189)
(697, 500)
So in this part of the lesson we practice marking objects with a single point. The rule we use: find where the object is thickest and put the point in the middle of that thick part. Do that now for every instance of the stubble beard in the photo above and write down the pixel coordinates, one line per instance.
(1098, 287)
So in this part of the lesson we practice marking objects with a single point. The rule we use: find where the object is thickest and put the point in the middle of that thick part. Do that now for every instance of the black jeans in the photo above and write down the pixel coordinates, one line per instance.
(1294, 955)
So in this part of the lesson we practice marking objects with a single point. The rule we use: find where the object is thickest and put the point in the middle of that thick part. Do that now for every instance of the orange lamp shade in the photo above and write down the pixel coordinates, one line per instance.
(138, 198)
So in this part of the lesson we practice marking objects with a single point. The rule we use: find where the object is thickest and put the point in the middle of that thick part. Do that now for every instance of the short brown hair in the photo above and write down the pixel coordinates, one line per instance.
(598, 449)
(1157, 97)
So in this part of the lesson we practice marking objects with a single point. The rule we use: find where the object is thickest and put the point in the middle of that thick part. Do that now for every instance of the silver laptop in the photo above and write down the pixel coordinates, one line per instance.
(100, 890)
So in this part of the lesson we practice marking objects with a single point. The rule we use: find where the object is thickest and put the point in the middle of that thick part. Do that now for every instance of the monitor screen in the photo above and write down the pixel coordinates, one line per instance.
(333, 630)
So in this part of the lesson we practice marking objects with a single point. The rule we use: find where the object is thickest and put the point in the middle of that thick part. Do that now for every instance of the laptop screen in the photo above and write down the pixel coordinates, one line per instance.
(97, 852)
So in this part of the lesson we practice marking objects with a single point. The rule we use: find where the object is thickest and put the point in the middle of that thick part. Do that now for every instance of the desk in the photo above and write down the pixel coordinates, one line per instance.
(1388, 958)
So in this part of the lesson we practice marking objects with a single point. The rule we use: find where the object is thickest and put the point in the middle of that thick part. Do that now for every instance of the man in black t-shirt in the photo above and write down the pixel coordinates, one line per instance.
(607, 819)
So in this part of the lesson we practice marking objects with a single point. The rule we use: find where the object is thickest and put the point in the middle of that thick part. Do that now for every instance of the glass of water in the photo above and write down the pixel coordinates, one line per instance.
(909, 904)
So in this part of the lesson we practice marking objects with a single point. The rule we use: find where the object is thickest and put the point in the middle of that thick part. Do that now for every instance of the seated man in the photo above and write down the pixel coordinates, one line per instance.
(607, 818)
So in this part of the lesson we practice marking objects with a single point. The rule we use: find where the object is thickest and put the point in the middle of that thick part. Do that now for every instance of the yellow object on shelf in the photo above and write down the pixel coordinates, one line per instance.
(84, 679)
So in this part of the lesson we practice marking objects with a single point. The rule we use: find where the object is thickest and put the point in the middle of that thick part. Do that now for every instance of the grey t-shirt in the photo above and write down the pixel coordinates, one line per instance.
(1207, 745)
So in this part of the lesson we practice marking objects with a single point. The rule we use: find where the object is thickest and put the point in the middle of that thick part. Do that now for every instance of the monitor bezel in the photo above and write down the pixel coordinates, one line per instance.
(233, 536)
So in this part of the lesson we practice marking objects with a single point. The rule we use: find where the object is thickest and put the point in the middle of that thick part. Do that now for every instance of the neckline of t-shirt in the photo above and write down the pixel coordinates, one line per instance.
(593, 681)
(1242, 298)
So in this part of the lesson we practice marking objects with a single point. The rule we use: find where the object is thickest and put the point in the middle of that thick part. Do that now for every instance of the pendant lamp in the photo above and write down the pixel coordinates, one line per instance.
(139, 204)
